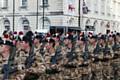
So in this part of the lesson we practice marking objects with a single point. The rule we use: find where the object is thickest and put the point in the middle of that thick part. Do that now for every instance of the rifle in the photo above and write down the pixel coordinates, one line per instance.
(98, 51)
(106, 49)
(9, 68)
(86, 51)
(30, 59)
(115, 48)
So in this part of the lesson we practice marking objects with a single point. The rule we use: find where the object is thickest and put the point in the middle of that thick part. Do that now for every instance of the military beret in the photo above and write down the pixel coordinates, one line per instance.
(5, 32)
(6, 36)
(15, 32)
(29, 33)
(38, 37)
(8, 43)
(94, 37)
(82, 39)
(113, 35)
(26, 39)
(118, 34)
(51, 41)
(20, 33)
(103, 37)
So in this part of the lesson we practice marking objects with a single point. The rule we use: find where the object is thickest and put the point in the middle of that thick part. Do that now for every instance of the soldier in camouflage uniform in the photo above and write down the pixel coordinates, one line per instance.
(116, 60)
(20, 58)
(80, 45)
(107, 70)
(1, 51)
(7, 56)
(38, 67)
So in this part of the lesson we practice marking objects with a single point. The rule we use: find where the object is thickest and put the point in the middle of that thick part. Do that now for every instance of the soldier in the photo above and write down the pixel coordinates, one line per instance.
(39, 66)
(115, 62)
(22, 56)
(8, 58)
(92, 44)
(116, 46)
(108, 48)
(1, 51)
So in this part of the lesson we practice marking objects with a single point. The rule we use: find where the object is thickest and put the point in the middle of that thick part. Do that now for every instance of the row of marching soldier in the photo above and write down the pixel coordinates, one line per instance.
(71, 56)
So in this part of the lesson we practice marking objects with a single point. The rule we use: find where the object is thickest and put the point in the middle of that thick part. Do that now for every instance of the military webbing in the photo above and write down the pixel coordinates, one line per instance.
(30, 58)
(7, 67)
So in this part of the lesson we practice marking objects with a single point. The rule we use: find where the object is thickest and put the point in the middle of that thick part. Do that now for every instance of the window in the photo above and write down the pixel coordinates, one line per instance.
(108, 8)
(23, 3)
(102, 8)
(45, 2)
(25, 24)
(96, 6)
(46, 23)
(7, 24)
(3, 4)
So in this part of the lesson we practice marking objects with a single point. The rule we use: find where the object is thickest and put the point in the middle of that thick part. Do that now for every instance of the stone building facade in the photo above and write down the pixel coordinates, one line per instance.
(28, 14)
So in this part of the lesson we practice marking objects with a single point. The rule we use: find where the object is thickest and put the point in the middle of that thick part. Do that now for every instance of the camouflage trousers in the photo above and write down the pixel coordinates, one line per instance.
(116, 69)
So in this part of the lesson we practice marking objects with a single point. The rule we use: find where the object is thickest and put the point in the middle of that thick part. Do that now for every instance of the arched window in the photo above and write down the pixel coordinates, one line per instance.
(25, 24)
(45, 3)
(88, 22)
(102, 23)
(7, 24)
(71, 21)
(108, 25)
(46, 23)
(95, 23)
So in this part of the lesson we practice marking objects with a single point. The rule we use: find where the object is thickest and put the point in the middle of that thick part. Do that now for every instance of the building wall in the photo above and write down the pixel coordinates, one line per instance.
(57, 13)
(104, 12)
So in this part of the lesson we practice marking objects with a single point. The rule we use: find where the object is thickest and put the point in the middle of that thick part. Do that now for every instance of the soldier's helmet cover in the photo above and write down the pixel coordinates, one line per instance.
(103, 37)
(8, 43)
(118, 34)
(94, 36)
(26, 39)
(51, 41)
(39, 37)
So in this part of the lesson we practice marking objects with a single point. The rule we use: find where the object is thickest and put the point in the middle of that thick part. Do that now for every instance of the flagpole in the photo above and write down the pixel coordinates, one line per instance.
(13, 15)
(37, 16)
(81, 14)
(43, 12)
(79, 9)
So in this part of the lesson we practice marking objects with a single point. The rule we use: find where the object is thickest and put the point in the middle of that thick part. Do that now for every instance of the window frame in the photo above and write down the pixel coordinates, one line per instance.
(4, 4)
(23, 3)
(45, 3)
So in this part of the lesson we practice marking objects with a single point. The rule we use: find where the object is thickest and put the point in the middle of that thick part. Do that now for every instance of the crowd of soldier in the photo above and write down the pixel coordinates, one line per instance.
(70, 56)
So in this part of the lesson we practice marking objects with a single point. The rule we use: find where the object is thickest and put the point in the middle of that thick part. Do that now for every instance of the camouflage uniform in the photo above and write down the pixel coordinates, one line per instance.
(38, 67)
(1, 74)
(20, 62)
